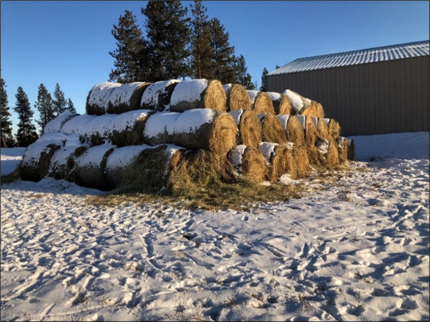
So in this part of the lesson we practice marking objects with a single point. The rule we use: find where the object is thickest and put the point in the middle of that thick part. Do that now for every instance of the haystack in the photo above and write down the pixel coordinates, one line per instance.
(98, 130)
(315, 109)
(261, 102)
(284, 107)
(249, 163)
(276, 100)
(334, 129)
(97, 99)
(157, 96)
(249, 125)
(293, 128)
(201, 128)
(237, 97)
(127, 128)
(126, 97)
(332, 156)
(277, 160)
(322, 128)
(342, 148)
(78, 125)
(56, 124)
(298, 102)
(90, 167)
(311, 134)
(272, 129)
(198, 93)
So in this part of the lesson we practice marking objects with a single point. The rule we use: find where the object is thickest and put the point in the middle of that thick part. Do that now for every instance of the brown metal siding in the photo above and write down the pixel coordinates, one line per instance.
(375, 98)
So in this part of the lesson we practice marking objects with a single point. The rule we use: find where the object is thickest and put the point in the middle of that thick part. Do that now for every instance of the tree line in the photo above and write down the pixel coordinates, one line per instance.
(49, 108)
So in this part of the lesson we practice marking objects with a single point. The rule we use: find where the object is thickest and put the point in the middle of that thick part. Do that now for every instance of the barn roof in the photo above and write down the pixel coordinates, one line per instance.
(356, 57)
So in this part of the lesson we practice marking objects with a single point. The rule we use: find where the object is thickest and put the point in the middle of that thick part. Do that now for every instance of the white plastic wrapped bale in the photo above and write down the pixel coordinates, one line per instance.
(126, 97)
(89, 168)
(249, 163)
(198, 93)
(157, 96)
(56, 124)
(261, 102)
(37, 157)
(298, 102)
(249, 126)
(98, 97)
(237, 97)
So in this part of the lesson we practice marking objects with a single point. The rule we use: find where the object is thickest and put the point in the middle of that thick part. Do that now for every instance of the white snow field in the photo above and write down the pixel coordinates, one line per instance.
(354, 248)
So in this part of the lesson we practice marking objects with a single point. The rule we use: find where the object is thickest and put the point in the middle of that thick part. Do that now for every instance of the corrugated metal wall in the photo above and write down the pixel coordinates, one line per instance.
(376, 98)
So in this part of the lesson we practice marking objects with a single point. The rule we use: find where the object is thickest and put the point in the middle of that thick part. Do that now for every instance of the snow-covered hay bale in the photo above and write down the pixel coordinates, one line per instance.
(315, 109)
(126, 97)
(90, 167)
(37, 157)
(56, 124)
(272, 129)
(277, 160)
(261, 102)
(237, 97)
(298, 102)
(284, 107)
(249, 163)
(300, 156)
(127, 128)
(276, 100)
(157, 96)
(97, 99)
(249, 125)
(201, 128)
(334, 129)
(293, 128)
(98, 130)
(78, 125)
(198, 93)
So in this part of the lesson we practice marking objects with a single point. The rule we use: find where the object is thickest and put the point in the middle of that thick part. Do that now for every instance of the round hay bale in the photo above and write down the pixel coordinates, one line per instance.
(159, 128)
(315, 157)
(322, 128)
(276, 100)
(314, 110)
(342, 144)
(38, 155)
(98, 130)
(300, 156)
(126, 97)
(261, 102)
(334, 129)
(97, 99)
(277, 159)
(78, 125)
(332, 156)
(322, 145)
(284, 107)
(89, 167)
(272, 129)
(311, 134)
(298, 102)
(157, 96)
(56, 124)
(293, 128)
(198, 93)
(237, 97)
(128, 128)
(249, 163)
(249, 125)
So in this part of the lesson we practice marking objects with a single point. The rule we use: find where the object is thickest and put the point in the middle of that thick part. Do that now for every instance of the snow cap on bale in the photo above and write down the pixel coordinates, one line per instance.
(272, 129)
(198, 93)
(126, 97)
(249, 163)
(298, 102)
(77, 125)
(261, 102)
(98, 97)
(276, 100)
(249, 125)
(293, 128)
(237, 97)
(127, 128)
(56, 124)
(98, 130)
(159, 128)
(157, 96)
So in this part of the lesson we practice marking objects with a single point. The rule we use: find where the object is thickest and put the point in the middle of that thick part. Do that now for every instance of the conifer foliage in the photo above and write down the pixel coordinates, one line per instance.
(26, 129)
(263, 80)
(45, 107)
(6, 124)
(242, 76)
(70, 106)
(59, 102)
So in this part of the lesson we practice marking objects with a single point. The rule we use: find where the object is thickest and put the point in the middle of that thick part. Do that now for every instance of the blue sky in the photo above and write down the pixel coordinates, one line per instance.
(68, 42)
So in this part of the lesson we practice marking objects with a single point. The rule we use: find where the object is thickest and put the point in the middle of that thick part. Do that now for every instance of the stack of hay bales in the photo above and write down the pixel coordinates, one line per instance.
(148, 132)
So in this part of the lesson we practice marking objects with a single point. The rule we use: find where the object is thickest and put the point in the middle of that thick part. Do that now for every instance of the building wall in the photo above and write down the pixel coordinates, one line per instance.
(375, 98)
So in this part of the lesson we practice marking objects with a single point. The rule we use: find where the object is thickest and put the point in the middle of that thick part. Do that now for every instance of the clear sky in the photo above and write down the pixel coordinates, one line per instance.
(68, 42)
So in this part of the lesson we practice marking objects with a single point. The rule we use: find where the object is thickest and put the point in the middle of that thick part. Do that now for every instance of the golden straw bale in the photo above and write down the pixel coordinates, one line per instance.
(332, 156)
(334, 129)
(342, 148)
(277, 158)
(273, 130)
(261, 102)
(311, 134)
(295, 132)
(284, 107)
(249, 125)
(300, 156)
(249, 163)
(237, 97)
(276, 100)
(322, 129)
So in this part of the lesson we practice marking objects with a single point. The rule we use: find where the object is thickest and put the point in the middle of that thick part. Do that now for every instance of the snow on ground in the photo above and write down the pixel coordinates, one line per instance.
(355, 247)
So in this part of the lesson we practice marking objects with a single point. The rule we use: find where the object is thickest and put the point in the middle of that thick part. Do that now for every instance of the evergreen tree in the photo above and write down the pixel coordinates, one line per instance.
(44, 106)
(130, 62)
(26, 129)
(222, 53)
(200, 41)
(277, 66)
(70, 106)
(168, 39)
(59, 101)
(263, 80)
(6, 124)
(242, 76)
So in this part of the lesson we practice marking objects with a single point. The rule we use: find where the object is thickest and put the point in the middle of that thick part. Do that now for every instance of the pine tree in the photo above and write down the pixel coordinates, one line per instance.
(70, 106)
(223, 54)
(59, 101)
(26, 129)
(6, 124)
(130, 62)
(242, 76)
(200, 41)
(263, 80)
(44, 106)
(168, 39)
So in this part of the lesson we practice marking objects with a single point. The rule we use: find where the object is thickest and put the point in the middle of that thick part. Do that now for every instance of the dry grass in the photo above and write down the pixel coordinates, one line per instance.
(263, 104)
(238, 98)
(250, 129)
(272, 130)
(284, 107)
(295, 132)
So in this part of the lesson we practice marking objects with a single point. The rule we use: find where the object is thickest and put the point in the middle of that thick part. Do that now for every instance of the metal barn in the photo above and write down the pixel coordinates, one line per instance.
(371, 91)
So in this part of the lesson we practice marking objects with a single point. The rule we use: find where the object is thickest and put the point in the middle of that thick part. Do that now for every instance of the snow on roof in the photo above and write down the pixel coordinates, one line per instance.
(356, 57)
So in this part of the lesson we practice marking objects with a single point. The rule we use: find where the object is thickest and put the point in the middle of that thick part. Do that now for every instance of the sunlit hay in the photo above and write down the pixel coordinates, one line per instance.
(198, 93)
(301, 158)
(127, 98)
(249, 163)
(131, 135)
(332, 156)
(294, 130)
(97, 99)
(263, 104)
(276, 100)
(311, 134)
(322, 129)
(316, 158)
(311, 110)
(249, 125)
(320, 110)
(284, 107)
(351, 150)
(157, 96)
(334, 129)
(272, 130)
(35, 166)
(89, 167)
(291, 161)
(298, 102)
(274, 155)
(342, 145)
(238, 98)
